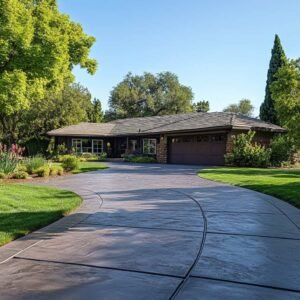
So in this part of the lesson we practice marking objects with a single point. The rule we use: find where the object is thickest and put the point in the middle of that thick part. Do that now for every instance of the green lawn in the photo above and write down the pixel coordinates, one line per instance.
(89, 166)
(281, 183)
(24, 208)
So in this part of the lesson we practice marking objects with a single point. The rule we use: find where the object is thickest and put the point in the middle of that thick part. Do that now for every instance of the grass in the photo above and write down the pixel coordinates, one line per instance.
(24, 208)
(89, 167)
(281, 183)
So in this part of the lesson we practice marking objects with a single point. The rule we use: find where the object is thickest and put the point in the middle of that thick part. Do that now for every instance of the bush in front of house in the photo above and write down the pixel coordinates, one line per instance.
(43, 171)
(102, 156)
(245, 153)
(282, 150)
(56, 170)
(70, 162)
(139, 159)
(21, 168)
(34, 163)
(19, 175)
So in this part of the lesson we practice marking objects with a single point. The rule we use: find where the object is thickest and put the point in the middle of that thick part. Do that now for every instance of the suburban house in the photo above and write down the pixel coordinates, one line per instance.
(191, 138)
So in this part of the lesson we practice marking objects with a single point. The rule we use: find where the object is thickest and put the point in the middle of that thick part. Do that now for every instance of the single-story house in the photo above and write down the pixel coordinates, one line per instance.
(190, 138)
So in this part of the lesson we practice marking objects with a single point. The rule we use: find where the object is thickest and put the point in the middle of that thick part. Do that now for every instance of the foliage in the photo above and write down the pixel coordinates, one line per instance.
(33, 163)
(35, 146)
(2, 175)
(268, 111)
(149, 95)
(201, 106)
(245, 153)
(21, 168)
(286, 93)
(95, 113)
(9, 158)
(70, 106)
(281, 183)
(24, 208)
(43, 171)
(102, 156)
(19, 175)
(140, 159)
(282, 150)
(39, 48)
(70, 162)
(244, 107)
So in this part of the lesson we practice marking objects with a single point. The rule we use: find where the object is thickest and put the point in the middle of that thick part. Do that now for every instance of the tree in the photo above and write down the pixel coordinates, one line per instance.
(149, 95)
(96, 113)
(39, 47)
(286, 93)
(278, 59)
(201, 106)
(70, 106)
(244, 107)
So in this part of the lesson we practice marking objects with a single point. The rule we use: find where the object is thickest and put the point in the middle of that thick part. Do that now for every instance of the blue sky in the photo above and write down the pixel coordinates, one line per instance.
(221, 49)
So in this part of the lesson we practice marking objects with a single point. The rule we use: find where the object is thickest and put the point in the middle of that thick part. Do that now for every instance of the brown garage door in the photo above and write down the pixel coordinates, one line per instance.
(202, 149)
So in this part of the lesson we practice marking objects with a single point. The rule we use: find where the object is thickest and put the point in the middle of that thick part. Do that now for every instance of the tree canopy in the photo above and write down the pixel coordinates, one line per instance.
(286, 93)
(278, 59)
(201, 106)
(39, 46)
(149, 95)
(244, 107)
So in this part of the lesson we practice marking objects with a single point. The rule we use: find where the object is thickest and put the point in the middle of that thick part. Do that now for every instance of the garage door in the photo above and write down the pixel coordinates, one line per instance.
(202, 149)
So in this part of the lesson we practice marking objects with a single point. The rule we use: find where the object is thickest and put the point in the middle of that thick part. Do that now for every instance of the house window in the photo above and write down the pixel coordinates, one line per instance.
(86, 145)
(77, 145)
(97, 146)
(149, 146)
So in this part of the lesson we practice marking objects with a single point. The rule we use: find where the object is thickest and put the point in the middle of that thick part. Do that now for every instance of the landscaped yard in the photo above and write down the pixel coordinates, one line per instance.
(24, 208)
(281, 183)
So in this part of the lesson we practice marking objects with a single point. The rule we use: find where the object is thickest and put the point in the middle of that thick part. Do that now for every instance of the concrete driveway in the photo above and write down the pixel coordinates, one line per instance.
(158, 232)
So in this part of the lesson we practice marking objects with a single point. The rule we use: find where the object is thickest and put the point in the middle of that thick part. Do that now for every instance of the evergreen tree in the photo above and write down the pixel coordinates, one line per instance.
(96, 113)
(278, 59)
(201, 106)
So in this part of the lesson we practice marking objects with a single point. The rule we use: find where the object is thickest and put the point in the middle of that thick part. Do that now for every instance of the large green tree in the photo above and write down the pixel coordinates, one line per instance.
(244, 107)
(201, 106)
(95, 113)
(149, 95)
(70, 106)
(278, 59)
(39, 47)
(286, 93)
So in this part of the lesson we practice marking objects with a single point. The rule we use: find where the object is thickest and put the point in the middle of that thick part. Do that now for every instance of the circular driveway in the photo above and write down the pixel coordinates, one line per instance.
(158, 232)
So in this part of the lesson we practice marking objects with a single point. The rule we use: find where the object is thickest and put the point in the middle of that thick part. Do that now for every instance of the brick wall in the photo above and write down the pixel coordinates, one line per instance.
(162, 150)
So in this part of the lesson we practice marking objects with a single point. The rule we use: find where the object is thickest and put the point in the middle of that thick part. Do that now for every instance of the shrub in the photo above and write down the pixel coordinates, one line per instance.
(282, 150)
(245, 153)
(140, 159)
(34, 163)
(9, 158)
(60, 170)
(53, 170)
(70, 162)
(19, 175)
(2, 175)
(43, 171)
(102, 156)
(22, 168)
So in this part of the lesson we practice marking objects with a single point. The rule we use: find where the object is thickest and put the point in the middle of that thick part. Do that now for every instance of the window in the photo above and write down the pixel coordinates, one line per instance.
(86, 146)
(77, 145)
(97, 146)
(149, 146)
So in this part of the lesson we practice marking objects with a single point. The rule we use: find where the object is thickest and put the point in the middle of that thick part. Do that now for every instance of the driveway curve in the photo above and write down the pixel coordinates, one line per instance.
(158, 232)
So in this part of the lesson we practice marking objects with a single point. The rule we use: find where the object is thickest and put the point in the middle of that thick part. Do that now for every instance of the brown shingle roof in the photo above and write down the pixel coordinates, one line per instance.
(165, 124)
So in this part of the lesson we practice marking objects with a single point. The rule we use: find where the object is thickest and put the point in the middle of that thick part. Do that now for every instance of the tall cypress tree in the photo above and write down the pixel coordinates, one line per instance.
(278, 59)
